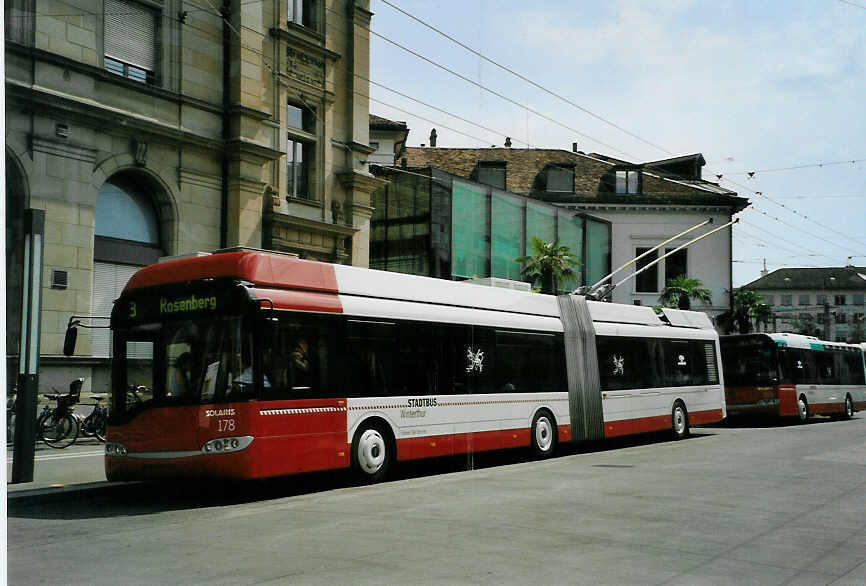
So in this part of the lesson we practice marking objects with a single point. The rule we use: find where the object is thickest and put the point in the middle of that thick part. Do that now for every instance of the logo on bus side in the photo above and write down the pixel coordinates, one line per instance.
(475, 360)
(219, 412)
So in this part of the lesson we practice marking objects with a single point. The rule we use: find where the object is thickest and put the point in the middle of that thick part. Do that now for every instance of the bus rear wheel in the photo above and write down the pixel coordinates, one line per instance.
(849, 408)
(371, 453)
(543, 434)
(680, 421)
(802, 409)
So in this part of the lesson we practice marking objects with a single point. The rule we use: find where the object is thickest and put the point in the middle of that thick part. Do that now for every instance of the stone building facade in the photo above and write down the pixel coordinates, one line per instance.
(148, 128)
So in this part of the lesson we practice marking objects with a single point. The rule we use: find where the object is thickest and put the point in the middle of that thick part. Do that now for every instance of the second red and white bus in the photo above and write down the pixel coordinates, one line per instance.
(791, 375)
(244, 364)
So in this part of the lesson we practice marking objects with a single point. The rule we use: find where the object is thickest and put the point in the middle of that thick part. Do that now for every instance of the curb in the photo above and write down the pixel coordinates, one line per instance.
(56, 494)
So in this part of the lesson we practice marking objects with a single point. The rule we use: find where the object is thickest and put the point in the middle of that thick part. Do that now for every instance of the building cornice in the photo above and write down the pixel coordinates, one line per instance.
(316, 226)
(304, 38)
(359, 181)
(91, 113)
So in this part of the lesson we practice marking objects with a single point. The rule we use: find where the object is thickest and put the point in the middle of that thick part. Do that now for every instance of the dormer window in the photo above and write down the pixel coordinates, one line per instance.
(560, 178)
(627, 182)
(491, 173)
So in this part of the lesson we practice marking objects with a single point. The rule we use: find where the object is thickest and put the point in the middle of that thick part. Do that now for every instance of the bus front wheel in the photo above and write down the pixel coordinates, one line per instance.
(543, 434)
(680, 421)
(371, 453)
(802, 409)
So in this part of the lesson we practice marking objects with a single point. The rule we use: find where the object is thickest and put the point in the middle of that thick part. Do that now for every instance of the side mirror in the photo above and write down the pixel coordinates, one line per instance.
(69, 340)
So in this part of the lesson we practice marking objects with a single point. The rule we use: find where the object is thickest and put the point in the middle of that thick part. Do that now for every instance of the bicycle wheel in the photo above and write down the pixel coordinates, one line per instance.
(97, 425)
(59, 431)
(85, 426)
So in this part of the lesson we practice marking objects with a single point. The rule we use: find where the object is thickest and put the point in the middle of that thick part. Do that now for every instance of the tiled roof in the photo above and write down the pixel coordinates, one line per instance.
(592, 175)
(813, 279)
(379, 123)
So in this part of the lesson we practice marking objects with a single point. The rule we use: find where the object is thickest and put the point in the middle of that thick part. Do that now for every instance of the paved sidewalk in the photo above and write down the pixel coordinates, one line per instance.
(57, 473)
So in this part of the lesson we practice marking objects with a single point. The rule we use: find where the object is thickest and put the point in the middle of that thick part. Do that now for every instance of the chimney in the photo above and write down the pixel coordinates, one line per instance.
(508, 142)
(433, 138)
(574, 147)
(764, 270)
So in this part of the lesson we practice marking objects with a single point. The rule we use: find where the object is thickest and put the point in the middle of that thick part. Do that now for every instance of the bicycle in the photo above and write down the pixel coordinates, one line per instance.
(11, 403)
(59, 427)
(94, 424)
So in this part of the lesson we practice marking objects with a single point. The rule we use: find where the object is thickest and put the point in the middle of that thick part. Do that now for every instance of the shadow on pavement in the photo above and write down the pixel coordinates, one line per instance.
(147, 498)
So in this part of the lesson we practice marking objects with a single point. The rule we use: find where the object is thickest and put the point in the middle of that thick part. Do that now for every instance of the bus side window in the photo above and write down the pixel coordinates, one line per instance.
(419, 359)
(369, 351)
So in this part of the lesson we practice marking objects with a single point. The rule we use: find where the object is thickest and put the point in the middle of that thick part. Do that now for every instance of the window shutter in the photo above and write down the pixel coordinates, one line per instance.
(108, 282)
(130, 33)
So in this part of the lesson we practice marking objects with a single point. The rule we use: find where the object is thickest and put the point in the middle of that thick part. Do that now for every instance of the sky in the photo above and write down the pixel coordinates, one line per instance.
(776, 89)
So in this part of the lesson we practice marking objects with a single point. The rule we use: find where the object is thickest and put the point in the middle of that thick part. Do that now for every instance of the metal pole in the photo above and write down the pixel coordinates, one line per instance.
(24, 452)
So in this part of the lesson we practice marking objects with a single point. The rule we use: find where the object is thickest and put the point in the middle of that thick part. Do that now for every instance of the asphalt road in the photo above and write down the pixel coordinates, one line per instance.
(731, 505)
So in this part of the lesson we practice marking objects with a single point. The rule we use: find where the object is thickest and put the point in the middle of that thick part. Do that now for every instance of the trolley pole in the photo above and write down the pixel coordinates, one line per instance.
(24, 451)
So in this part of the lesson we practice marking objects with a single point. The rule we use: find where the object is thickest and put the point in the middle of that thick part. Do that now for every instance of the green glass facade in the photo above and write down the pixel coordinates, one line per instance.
(470, 232)
(427, 222)
(506, 235)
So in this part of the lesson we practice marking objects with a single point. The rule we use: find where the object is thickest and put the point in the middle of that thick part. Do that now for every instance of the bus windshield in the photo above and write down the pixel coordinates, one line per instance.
(749, 361)
(182, 362)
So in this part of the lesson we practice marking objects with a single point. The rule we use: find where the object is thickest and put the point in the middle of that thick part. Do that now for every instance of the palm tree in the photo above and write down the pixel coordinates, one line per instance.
(549, 263)
(681, 290)
(747, 306)
(763, 315)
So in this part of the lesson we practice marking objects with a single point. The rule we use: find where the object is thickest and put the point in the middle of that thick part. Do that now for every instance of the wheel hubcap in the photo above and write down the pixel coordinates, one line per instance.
(543, 434)
(679, 421)
(802, 404)
(849, 408)
(371, 451)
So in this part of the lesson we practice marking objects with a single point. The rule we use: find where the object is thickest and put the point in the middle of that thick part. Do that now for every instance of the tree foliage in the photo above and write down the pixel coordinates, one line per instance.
(747, 314)
(550, 264)
(680, 290)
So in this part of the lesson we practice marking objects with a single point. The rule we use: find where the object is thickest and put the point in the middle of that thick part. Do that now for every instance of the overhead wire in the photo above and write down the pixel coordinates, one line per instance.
(524, 78)
(217, 14)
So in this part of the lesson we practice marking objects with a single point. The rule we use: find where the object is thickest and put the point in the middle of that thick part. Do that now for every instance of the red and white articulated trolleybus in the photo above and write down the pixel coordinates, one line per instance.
(246, 364)
(790, 375)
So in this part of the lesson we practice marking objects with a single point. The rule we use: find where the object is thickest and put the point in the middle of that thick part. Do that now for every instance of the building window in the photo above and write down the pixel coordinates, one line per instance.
(839, 300)
(130, 40)
(820, 299)
(560, 178)
(769, 299)
(841, 318)
(647, 281)
(803, 300)
(676, 265)
(127, 236)
(786, 300)
(492, 173)
(301, 12)
(627, 182)
(858, 299)
(300, 151)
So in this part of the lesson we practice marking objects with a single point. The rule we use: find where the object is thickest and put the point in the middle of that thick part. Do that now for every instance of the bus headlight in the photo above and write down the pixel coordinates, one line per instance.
(115, 450)
(226, 445)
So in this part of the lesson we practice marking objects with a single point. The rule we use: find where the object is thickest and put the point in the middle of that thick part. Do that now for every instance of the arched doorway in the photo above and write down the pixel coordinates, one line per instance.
(128, 234)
